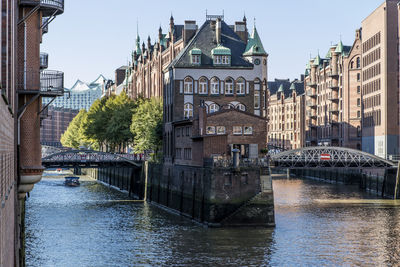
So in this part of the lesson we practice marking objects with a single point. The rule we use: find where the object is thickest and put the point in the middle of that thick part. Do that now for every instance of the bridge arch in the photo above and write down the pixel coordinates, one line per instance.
(89, 159)
(328, 157)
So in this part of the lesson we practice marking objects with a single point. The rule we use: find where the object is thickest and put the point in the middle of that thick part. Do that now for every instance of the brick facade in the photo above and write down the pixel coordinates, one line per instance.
(55, 125)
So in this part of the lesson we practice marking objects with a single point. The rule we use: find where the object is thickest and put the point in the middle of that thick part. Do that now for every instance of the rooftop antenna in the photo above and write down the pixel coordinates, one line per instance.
(206, 13)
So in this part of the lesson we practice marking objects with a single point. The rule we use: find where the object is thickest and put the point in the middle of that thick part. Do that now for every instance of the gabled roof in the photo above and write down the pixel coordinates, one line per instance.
(204, 40)
(285, 86)
(254, 45)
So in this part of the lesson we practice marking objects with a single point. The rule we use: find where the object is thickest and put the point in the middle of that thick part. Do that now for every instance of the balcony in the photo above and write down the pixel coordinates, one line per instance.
(48, 83)
(334, 87)
(311, 84)
(48, 7)
(310, 93)
(333, 74)
(311, 114)
(333, 98)
(44, 60)
(311, 104)
(334, 110)
(45, 29)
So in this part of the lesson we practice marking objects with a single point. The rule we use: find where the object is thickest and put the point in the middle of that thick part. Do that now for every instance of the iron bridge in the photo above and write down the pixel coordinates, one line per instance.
(328, 157)
(89, 159)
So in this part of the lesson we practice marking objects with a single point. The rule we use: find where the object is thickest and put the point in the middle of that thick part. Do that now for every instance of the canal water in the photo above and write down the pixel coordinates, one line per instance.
(316, 224)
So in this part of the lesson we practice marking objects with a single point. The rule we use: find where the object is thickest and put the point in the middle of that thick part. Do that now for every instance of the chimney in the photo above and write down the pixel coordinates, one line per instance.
(202, 118)
(218, 31)
(189, 30)
(241, 30)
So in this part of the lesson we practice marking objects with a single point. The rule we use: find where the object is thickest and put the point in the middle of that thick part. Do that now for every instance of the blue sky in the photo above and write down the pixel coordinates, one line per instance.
(97, 36)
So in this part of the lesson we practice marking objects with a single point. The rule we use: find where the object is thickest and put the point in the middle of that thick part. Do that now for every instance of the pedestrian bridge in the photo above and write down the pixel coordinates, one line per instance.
(327, 157)
(89, 159)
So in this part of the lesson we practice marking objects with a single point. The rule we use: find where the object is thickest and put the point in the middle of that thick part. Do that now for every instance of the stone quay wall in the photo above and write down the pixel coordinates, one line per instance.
(212, 196)
(382, 183)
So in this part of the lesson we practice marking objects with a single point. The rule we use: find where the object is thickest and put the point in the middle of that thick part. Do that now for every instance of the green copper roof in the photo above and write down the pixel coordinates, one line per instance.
(221, 50)
(339, 47)
(317, 61)
(280, 90)
(307, 72)
(308, 66)
(292, 87)
(329, 54)
(138, 50)
(195, 51)
(254, 45)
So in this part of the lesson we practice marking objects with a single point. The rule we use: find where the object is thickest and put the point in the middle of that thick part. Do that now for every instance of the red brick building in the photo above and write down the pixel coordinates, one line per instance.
(223, 71)
(55, 125)
(24, 81)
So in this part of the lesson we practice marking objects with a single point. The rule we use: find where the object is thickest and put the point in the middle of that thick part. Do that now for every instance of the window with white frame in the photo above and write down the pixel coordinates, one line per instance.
(240, 86)
(188, 110)
(214, 86)
(213, 108)
(256, 99)
(203, 84)
(196, 59)
(237, 130)
(221, 130)
(188, 86)
(229, 86)
(248, 130)
(222, 60)
(210, 130)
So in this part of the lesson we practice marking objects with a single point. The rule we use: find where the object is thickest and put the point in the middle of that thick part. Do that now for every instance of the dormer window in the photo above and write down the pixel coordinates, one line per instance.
(195, 55)
(221, 55)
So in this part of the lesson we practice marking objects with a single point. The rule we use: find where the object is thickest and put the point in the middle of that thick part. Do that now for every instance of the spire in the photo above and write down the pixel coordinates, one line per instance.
(138, 50)
(254, 44)
(244, 17)
(339, 47)
(317, 61)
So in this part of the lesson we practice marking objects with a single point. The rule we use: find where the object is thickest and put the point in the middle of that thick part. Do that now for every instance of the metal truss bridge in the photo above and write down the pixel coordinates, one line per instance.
(328, 157)
(89, 159)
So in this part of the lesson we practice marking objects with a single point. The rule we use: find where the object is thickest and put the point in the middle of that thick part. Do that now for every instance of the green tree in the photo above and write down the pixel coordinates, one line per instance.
(147, 125)
(120, 109)
(94, 125)
(73, 136)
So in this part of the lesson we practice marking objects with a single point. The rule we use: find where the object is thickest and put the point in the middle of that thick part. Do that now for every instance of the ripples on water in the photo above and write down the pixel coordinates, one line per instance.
(317, 224)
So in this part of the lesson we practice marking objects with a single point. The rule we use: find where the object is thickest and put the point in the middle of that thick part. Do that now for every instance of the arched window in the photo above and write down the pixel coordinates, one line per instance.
(214, 86)
(203, 84)
(188, 88)
(229, 86)
(352, 65)
(240, 86)
(241, 107)
(213, 108)
(188, 110)
(358, 63)
(257, 84)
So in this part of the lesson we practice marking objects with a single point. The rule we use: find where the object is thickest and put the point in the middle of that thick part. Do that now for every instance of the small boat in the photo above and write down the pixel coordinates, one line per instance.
(72, 181)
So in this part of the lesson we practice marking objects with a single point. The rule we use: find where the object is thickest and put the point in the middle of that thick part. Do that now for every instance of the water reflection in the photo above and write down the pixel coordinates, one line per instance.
(317, 224)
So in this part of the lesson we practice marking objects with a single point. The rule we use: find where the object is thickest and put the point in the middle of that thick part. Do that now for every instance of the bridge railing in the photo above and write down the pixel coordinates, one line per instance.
(228, 162)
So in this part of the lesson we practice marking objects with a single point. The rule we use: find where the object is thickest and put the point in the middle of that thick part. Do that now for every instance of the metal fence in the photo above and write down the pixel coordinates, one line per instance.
(44, 60)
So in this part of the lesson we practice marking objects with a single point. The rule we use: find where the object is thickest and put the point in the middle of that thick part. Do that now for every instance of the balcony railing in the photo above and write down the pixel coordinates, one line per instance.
(333, 98)
(334, 87)
(333, 74)
(48, 7)
(311, 104)
(310, 93)
(45, 29)
(334, 110)
(47, 82)
(44, 60)
(311, 84)
(311, 114)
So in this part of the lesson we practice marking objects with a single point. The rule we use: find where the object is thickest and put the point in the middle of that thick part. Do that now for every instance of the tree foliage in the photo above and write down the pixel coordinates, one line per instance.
(73, 136)
(147, 125)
